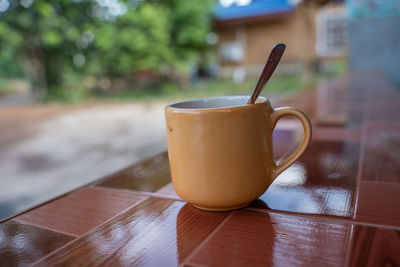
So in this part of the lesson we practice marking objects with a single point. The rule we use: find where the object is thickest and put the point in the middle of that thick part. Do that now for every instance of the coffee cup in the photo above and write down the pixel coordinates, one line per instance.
(220, 149)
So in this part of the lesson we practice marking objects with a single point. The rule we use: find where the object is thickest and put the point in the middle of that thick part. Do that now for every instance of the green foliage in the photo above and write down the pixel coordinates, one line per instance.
(9, 66)
(68, 95)
(190, 23)
(101, 38)
(138, 40)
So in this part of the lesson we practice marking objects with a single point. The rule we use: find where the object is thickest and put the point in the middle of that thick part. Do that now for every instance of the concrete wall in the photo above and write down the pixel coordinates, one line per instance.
(374, 44)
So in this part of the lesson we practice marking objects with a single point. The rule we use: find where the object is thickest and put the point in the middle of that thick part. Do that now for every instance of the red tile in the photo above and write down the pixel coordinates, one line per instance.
(323, 181)
(80, 211)
(383, 101)
(149, 175)
(335, 134)
(249, 238)
(382, 152)
(338, 104)
(379, 203)
(158, 232)
(380, 90)
(379, 186)
(21, 244)
(375, 247)
(382, 162)
(384, 111)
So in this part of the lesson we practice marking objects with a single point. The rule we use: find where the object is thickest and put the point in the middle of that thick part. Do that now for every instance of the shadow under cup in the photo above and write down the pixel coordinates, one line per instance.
(220, 149)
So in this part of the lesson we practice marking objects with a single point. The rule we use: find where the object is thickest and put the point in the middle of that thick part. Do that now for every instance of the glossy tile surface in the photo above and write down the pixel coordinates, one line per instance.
(382, 101)
(335, 106)
(379, 202)
(379, 186)
(338, 103)
(375, 247)
(149, 175)
(350, 174)
(158, 232)
(336, 134)
(21, 244)
(382, 153)
(80, 211)
(251, 238)
(385, 111)
(323, 181)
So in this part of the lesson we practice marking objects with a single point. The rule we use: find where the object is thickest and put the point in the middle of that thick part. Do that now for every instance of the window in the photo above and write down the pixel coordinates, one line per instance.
(231, 52)
(331, 32)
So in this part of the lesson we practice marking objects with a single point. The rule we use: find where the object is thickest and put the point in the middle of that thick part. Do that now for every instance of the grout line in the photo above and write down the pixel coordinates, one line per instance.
(130, 191)
(13, 216)
(141, 193)
(22, 221)
(331, 218)
(360, 163)
(282, 212)
(193, 265)
(349, 248)
(205, 240)
(160, 195)
(88, 232)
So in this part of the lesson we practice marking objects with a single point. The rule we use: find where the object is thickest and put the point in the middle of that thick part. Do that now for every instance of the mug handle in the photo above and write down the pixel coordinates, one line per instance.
(305, 142)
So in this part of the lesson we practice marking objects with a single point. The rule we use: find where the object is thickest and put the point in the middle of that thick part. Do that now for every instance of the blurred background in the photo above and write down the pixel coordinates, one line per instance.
(83, 83)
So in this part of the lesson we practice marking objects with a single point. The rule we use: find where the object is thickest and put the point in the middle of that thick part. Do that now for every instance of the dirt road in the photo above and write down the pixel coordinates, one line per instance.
(48, 150)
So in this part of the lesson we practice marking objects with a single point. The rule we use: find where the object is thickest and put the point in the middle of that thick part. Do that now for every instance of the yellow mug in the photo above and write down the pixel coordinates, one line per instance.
(220, 149)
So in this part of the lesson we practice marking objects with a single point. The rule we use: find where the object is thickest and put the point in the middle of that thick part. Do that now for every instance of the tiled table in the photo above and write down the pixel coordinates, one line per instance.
(339, 205)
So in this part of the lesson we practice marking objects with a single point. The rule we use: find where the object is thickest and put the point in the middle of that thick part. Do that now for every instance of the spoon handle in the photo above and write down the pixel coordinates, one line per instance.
(270, 66)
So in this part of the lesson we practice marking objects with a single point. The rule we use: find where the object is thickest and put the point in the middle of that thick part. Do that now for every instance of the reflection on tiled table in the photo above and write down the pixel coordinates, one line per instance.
(339, 205)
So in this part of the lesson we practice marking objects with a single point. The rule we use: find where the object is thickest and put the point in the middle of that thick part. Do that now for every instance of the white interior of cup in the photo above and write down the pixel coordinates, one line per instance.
(215, 102)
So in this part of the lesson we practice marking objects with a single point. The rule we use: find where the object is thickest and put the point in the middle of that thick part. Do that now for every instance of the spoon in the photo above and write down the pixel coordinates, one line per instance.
(270, 66)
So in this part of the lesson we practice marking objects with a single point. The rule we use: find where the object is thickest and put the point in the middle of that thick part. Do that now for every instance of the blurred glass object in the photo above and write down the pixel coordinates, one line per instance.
(373, 8)
(374, 37)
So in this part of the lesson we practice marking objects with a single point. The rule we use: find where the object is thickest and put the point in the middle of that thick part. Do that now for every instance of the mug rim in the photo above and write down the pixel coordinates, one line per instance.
(261, 100)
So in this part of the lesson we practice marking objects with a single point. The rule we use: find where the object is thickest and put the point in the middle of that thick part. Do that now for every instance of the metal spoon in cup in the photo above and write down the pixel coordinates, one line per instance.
(270, 66)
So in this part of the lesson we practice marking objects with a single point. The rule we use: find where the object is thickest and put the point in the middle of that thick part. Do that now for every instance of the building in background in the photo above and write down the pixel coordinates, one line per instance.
(313, 30)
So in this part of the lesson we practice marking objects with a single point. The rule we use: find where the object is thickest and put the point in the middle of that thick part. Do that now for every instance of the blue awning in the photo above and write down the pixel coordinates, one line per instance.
(252, 9)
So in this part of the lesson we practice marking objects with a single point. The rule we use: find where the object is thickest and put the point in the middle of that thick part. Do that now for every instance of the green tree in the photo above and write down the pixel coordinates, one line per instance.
(190, 23)
(101, 38)
(44, 35)
(137, 40)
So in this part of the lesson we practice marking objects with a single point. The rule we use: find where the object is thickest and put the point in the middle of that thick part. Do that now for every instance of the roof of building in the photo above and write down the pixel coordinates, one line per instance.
(240, 9)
